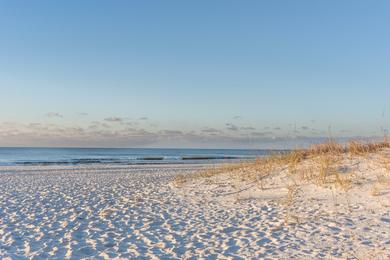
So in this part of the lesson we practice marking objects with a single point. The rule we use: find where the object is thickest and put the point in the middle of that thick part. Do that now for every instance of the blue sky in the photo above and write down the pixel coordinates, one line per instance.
(192, 73)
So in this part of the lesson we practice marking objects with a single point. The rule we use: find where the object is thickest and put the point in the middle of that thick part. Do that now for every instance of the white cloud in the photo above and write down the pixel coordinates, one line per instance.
(114, 119)
(54, 114)
(231, 127)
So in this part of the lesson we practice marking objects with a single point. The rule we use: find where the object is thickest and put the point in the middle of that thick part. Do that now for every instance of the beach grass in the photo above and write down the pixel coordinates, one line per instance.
(323, 164)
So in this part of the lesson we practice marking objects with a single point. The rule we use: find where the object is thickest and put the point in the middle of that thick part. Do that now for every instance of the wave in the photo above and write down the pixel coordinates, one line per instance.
(129, 161)
(125, 156)
(212, 158)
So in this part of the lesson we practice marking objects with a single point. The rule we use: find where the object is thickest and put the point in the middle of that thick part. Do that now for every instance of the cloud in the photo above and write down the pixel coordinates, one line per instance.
(131, 129)
(209, 130)
(131, 123)
(103, 134)
(114, 119)
(305, 128)
(262, 133)
(231, 127)
(277, 128)
(33, 125)
(248, 128)
(83, 114)
(258, 134)
(237, 117)
(143, 118)
(93, 126)
(97, 125)
(171, 132)
(54, 114)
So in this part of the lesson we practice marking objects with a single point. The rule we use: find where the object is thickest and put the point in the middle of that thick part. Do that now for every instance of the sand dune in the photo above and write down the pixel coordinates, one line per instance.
(287, 218)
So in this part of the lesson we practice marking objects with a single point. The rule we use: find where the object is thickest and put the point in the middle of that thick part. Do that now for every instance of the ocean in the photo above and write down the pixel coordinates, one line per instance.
(123, 156)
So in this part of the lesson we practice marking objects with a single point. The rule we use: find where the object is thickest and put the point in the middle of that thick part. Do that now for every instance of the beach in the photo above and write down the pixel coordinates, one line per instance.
(172, 212)
(103, 211)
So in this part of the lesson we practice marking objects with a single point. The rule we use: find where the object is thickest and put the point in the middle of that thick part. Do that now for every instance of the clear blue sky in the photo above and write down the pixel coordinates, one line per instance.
(192, 73)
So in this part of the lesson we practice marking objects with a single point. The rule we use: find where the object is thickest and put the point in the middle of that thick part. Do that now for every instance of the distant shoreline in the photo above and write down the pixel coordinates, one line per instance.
(86, 156)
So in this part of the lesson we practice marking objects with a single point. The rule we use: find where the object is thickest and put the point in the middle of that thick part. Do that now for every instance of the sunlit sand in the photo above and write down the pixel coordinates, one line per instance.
(184, 211)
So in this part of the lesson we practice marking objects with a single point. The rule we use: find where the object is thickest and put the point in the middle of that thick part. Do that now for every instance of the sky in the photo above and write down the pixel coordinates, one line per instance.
(214, 74)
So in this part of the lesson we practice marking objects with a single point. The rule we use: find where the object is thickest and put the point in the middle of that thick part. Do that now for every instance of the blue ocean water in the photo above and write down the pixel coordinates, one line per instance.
(77, 156)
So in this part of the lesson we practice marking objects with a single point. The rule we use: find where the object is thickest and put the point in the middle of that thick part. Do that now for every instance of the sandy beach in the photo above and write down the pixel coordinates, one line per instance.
(170, 212)
(106, 212)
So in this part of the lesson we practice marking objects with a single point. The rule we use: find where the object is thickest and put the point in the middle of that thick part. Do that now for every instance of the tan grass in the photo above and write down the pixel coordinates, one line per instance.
(330, 147)
(385, 161)
(318, 164)
(344, 183)
(355, 147)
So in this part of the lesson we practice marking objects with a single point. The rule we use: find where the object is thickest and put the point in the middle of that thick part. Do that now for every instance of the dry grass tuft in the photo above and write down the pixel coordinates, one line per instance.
(330, 147)
(326, 168)
(344, 183)
(355, 147)
(181, 179)
(292, 192)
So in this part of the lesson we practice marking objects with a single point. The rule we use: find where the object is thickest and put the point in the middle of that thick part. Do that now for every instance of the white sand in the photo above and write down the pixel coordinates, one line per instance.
(247, 220)
(137, 212)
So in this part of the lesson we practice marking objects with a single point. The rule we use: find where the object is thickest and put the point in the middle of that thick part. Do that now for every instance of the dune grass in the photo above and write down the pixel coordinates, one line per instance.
(320, 164)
